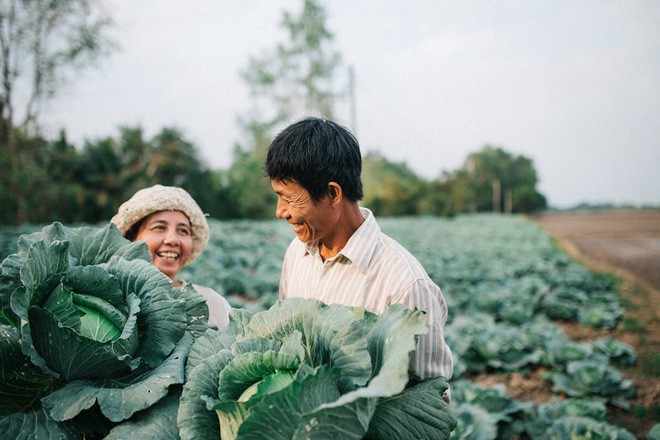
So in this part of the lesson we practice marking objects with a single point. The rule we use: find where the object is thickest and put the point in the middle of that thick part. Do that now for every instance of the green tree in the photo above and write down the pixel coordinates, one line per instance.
(99, 172)
(457, 190)
(59, 198)
(134, 154)
(393, 189)
(293, 80)
(495, 176)
(297, 78)
(175, 161)
(110, 170)
(248, 189)
(41, 44)
(30, 179)
(172, 159)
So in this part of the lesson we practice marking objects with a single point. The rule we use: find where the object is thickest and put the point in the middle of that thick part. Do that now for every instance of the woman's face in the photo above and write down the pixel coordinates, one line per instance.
(168, 235)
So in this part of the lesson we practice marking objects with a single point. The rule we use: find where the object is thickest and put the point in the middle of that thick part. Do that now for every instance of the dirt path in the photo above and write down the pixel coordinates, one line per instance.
(627, 245)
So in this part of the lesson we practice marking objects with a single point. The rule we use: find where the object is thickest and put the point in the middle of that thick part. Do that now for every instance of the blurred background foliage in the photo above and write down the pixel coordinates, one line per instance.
(42, 180)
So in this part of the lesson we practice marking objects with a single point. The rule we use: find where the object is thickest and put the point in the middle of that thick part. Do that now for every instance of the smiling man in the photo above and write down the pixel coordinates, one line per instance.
(340, 255)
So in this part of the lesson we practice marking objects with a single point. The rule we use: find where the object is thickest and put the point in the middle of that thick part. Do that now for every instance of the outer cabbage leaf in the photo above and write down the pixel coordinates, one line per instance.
(91, 245)
(195, 420)
(35, 425)
(654, 433)
(157, 423)
(417, 413)
(23, 383)
(10, 275)
(119, 398)
(197, 311)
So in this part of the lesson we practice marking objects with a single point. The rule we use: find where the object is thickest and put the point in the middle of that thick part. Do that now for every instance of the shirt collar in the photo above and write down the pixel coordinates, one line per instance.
(360, 246)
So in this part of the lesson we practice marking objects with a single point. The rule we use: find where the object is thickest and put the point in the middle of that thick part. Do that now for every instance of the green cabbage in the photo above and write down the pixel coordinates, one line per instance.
(596, 378)
(303, 369)
(474, 423)
(569, 428)
(549, 413)
(92, 330)
(618, 352)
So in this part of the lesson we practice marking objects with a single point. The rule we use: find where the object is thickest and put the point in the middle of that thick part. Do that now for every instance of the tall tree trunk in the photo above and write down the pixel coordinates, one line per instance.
(508, 201)
(497, 196)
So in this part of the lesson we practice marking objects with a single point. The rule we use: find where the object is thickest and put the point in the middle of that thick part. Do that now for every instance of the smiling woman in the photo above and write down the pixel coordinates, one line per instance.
(169, 238)
(175, 230)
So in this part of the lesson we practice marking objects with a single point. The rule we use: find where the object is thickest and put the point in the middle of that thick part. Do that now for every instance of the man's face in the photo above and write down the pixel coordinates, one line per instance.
(310, 220)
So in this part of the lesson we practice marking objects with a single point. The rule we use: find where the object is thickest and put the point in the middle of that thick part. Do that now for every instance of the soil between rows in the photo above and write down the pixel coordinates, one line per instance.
(625, 244)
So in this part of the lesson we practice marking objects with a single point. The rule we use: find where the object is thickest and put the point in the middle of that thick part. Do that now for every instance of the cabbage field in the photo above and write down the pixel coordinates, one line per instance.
(507, 287)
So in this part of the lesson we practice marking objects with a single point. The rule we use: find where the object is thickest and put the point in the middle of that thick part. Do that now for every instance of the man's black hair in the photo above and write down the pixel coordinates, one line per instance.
(314, 152)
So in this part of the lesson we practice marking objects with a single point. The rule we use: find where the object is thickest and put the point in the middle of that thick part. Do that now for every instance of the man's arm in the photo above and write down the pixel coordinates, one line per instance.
(432, 357)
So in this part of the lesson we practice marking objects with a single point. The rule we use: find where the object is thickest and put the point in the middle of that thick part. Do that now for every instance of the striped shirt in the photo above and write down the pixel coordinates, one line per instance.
(373, 271)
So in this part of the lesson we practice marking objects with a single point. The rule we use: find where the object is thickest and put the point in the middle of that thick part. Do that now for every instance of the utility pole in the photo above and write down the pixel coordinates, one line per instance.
(351, 97)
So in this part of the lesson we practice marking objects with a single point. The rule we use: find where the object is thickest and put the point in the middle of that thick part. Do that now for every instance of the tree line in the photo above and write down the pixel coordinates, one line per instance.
(68, 184)
(43, 180)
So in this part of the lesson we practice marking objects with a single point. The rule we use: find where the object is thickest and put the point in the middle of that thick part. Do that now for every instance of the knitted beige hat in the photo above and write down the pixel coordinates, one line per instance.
(164, 198)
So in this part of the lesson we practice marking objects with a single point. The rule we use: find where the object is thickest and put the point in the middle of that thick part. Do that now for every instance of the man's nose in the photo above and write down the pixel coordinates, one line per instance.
(280, 210)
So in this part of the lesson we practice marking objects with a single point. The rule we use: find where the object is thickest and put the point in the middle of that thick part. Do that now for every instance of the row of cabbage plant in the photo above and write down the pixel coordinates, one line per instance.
(505, 283)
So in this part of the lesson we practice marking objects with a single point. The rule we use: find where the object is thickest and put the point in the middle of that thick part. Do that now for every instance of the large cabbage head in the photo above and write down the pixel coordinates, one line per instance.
(304, 369)
(88, 319)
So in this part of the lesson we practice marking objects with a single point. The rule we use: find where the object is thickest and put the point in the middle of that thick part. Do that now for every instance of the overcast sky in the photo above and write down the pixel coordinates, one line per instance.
(572, 85)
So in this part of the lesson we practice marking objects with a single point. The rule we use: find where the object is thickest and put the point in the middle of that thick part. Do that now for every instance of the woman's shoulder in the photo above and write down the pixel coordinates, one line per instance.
(218, 305)
(208, 292)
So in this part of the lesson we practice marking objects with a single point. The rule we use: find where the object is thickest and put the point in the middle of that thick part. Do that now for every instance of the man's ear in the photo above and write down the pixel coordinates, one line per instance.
(335, 192)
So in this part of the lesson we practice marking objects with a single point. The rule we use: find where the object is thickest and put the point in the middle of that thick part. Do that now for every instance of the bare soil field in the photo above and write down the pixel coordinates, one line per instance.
(627, 245)
(625, 240)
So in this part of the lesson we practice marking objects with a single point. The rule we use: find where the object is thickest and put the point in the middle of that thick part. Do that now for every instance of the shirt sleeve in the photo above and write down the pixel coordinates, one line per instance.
(217, 304)
(432, 357)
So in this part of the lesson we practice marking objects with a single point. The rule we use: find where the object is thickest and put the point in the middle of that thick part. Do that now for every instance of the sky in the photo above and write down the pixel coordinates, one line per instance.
(572, 85)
